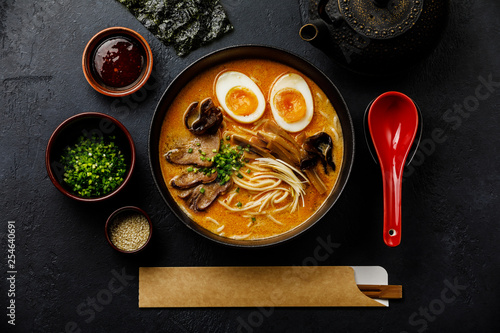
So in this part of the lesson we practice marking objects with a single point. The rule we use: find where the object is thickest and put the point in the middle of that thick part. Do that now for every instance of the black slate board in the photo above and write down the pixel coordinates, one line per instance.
(450, 210)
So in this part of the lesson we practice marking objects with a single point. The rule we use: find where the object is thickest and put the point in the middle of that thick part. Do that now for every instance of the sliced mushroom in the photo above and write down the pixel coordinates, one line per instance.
(204, 117)
(198, 151)
(192, 114)
(191, 179)
(319, 146)
(309, 161)
(202, 196)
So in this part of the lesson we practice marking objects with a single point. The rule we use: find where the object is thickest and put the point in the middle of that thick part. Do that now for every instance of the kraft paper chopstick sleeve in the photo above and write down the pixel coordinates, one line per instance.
(283, 286)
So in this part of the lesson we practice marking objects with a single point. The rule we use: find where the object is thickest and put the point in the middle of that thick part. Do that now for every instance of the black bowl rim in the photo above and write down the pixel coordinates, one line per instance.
(119, 211)
(61, 127)
(347, 163)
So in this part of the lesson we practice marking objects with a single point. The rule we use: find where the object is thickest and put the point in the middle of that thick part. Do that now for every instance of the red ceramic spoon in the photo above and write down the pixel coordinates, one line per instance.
(393, 122)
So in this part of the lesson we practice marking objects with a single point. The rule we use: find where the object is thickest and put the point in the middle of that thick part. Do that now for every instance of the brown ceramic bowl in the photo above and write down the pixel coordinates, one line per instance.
(88, 61)
(242, 52)
(67, 133)
(125, 210)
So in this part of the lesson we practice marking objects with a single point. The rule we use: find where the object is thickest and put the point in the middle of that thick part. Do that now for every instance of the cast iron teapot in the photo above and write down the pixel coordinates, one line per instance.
(377, 36)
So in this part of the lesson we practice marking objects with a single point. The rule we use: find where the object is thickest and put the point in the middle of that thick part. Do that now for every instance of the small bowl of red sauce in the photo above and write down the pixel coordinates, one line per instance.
(117, 61)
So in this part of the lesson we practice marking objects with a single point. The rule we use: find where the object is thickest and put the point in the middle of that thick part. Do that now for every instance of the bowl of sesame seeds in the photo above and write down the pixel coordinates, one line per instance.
(128, 229)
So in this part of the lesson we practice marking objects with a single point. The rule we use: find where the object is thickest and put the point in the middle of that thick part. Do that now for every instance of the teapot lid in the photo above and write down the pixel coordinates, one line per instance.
(380, 19)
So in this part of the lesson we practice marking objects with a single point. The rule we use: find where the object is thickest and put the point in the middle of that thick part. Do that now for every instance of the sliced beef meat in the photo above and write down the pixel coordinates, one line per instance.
(191, 179)
(198, 151)
(186, 193)
(201, 197)
(204, 117)
(212, 191)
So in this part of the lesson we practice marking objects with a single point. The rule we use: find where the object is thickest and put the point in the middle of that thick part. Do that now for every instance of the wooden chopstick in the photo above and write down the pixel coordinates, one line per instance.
(382, 291)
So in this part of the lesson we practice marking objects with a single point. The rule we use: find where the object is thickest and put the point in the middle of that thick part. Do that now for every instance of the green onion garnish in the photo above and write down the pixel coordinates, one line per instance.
(226, 161)
(93, 167)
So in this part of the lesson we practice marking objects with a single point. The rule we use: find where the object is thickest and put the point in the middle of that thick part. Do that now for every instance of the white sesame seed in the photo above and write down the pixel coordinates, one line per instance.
(129, 231)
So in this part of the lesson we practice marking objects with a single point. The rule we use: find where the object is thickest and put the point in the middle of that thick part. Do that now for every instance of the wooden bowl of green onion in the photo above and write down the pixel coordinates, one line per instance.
(90, 157)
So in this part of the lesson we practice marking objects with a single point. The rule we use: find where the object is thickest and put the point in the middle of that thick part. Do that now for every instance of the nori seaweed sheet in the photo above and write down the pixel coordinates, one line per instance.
(185, 24)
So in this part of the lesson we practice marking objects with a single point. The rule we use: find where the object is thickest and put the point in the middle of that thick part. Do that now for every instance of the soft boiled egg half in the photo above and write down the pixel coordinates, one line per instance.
(291, 102)
(240, 97)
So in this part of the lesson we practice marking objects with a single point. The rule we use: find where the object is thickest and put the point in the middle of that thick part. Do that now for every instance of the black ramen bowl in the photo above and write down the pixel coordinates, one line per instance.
(253, 52)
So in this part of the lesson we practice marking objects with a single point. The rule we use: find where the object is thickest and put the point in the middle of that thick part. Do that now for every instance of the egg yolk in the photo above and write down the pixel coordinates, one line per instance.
(241, 101)
(290, 104)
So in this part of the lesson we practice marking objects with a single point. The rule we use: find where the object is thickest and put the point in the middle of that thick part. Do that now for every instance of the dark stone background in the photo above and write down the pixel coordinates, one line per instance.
(450, 200)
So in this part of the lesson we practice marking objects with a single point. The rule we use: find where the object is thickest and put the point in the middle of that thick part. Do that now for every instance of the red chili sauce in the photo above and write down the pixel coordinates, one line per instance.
(118, 62)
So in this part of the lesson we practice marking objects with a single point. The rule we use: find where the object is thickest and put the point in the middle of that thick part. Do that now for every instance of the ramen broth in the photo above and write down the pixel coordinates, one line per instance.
(217, 218)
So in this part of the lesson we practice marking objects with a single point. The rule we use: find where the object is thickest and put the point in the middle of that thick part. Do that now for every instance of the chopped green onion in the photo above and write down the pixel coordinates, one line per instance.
(202, 190)
(190, 150)
(228, 137)
(226, 161)
(239, 204)
(93, 167)
(189, 169)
